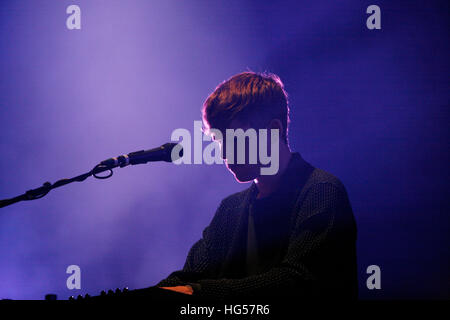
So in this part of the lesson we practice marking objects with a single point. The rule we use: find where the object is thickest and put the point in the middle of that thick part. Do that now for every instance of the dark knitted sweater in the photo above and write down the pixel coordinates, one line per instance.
(314, 257)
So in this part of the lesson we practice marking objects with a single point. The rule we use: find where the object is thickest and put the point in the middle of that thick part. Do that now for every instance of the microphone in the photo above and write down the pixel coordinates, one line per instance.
(162, 153)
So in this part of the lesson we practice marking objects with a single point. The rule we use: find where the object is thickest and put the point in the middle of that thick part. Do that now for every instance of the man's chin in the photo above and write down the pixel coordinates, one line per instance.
(242, 176)
(243, 180)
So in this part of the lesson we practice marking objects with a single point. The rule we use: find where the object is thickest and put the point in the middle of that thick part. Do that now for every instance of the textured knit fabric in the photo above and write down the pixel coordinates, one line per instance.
(319, 260)
(269, 225)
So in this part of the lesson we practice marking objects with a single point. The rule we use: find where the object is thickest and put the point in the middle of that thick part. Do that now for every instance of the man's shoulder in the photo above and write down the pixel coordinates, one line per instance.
(324, 192)
(319, 176)
(307, 176)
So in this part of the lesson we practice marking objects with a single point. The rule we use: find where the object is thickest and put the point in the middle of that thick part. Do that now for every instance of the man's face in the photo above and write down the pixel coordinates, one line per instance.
(249, 170)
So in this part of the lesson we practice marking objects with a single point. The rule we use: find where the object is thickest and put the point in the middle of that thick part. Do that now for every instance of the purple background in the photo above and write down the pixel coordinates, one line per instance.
(371, 107)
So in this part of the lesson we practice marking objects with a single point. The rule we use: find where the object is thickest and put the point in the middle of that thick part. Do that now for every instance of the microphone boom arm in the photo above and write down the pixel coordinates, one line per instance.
(162, 153)
(40, 192)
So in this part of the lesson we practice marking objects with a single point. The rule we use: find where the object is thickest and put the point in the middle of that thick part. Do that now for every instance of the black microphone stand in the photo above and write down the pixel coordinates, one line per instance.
(40, 192)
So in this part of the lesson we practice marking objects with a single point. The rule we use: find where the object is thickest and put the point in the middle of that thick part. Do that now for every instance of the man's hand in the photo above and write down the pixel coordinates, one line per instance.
(187, 289)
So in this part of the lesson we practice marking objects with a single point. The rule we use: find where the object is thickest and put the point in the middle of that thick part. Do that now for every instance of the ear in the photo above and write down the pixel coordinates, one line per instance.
(276, 124)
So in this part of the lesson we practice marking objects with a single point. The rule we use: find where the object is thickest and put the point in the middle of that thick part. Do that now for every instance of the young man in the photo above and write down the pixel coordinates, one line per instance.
(291, 233)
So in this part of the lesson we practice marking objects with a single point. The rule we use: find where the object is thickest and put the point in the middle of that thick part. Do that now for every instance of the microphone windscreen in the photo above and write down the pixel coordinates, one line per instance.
(172, 151)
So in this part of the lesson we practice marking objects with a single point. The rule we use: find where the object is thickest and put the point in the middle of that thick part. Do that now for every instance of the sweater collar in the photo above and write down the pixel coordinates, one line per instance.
(297, 166)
